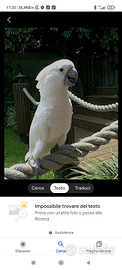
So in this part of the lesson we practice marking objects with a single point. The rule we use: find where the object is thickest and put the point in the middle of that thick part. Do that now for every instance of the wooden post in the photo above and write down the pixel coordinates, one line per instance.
(23, 111)
(70, 136)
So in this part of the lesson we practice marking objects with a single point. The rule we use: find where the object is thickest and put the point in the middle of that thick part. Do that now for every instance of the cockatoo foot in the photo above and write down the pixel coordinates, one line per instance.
(35, 165)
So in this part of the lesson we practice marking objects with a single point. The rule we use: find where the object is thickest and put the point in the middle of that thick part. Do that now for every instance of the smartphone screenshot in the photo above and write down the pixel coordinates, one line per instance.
(60, 194)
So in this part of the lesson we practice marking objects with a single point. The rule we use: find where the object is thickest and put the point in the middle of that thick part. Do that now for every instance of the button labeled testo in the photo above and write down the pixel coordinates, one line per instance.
(59, 188)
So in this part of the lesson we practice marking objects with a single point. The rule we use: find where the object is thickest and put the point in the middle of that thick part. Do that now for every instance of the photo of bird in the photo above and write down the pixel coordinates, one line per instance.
(52, 119)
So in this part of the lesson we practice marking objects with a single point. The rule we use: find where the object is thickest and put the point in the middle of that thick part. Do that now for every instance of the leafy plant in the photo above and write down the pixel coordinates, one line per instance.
(11, 119)
(18, 39)
(98, 170)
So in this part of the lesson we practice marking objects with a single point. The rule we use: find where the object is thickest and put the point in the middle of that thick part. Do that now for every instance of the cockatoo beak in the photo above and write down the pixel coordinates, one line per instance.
(71, 77)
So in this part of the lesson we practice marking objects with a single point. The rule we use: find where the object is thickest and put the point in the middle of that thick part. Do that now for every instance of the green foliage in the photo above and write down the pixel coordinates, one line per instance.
(82, 39)
(19, 39)
(99, 170)
(109, 38)
(66, 41)
(102, 37)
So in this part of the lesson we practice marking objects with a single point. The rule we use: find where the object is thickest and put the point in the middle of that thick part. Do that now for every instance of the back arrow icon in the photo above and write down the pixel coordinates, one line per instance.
(88, 262)
(9, 19)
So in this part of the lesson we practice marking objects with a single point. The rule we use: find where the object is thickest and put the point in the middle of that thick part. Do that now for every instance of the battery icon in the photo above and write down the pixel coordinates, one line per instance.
(110, 7)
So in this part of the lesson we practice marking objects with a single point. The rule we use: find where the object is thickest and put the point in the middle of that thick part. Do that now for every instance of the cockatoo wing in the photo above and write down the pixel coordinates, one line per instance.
(39, 130)
(49, 127)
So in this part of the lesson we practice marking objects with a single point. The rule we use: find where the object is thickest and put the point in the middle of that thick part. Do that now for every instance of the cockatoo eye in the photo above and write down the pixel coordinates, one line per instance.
(61, 69)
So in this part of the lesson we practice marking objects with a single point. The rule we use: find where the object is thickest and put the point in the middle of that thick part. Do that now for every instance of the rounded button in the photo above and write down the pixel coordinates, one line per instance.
(59, 188)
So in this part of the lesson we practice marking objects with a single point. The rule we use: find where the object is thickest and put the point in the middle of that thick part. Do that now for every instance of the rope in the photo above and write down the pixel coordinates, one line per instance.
(82, 103)
(66, 155)
(30, 97)
(96, 108)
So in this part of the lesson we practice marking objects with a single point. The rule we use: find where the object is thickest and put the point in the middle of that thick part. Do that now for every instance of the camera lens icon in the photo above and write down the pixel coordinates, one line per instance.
(71, 249)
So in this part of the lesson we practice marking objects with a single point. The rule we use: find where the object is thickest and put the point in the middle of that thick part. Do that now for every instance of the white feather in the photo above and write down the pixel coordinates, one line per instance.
(52, 119)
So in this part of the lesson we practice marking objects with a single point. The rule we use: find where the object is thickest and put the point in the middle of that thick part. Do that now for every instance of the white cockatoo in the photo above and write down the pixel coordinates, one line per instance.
(52, 119)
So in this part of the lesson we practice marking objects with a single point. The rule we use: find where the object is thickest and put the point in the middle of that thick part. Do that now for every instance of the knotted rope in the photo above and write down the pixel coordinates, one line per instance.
(66, 155)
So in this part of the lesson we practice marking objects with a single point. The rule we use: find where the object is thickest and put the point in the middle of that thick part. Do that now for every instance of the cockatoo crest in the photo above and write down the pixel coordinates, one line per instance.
(54, 72)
